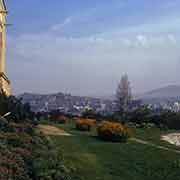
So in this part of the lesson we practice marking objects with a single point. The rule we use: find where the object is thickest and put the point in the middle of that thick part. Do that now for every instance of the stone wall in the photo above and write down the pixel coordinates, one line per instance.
(5, 84)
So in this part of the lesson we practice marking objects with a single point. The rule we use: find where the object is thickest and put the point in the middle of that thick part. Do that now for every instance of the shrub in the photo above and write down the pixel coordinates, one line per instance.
(141, 115)
(4, 125)
(19, 112)
(30, 156)
(12, 166)
(115, 132)
(85, 124)
(48, 162)
(59, 119)
(167, 120)
(15, 151)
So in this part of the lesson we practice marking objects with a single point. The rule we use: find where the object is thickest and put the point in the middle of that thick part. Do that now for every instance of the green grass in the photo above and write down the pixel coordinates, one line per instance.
(153, 135)
(93, 159)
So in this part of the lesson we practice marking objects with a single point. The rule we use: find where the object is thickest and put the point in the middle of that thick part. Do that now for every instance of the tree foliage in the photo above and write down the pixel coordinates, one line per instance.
(123, 95)
(18, 110)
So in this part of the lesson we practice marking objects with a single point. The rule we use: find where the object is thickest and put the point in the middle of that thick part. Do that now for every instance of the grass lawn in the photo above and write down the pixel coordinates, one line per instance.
(93, 159)
(153, 135)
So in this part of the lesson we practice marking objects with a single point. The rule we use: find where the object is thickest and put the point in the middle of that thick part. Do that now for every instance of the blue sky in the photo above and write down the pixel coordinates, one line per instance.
(84, 47)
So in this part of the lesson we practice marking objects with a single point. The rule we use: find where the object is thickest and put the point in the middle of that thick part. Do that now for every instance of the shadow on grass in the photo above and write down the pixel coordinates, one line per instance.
(97, 138)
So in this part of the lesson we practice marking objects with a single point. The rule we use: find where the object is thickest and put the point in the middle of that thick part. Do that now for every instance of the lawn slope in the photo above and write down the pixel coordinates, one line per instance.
(93, 159)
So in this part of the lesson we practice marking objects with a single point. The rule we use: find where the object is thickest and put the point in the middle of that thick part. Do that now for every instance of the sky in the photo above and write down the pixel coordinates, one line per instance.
(84, 47)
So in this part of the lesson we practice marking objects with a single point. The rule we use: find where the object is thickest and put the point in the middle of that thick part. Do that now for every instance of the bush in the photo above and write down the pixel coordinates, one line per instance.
(59, 119)
(48, 162)
(141, 115)
(115, 132)
(167, 120)
(16, 144)
(29, 156)
(85, 124)
(12, 166)
(19, 112)
(4, 125)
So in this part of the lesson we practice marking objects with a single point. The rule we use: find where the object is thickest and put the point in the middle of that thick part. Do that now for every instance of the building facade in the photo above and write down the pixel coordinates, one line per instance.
(4, 81)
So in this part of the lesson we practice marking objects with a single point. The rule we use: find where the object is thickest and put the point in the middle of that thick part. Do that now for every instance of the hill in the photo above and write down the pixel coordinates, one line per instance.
(172, 91)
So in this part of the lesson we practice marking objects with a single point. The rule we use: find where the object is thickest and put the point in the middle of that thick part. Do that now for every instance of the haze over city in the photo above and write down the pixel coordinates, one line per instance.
(83, 47)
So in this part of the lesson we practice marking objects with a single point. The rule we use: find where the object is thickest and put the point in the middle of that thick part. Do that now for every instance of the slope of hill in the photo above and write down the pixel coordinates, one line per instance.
(172, 91)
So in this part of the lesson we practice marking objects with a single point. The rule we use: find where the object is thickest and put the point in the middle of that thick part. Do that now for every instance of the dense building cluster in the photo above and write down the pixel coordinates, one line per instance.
(68, 104)
(76, 105)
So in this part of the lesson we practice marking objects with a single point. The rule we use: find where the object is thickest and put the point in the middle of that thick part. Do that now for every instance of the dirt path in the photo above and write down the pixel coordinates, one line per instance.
(154, 145)
(52, 130)
(172, 138)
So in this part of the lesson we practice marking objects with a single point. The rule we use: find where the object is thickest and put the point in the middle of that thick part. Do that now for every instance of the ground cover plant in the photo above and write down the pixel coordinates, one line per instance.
(27, 155)
(24, 153)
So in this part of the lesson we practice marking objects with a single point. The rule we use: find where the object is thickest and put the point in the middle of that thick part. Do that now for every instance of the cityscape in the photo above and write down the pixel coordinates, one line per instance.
(76, 105)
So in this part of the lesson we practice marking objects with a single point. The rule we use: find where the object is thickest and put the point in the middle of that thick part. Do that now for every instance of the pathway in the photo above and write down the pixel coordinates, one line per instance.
(52, 130)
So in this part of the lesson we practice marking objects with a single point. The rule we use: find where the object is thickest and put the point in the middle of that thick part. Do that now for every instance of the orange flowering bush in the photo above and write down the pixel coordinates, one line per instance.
(59, 119)
(85, 124)
(115, 132)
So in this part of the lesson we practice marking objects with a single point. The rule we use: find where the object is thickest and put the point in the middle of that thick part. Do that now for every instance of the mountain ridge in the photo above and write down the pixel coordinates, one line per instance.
(169, 91)
(162, 92)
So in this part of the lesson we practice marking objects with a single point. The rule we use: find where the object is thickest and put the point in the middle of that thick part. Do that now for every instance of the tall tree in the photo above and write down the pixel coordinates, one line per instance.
(123, 95)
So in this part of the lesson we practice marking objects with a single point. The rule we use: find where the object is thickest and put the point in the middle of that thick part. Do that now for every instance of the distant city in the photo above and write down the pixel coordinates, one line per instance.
(66, 103)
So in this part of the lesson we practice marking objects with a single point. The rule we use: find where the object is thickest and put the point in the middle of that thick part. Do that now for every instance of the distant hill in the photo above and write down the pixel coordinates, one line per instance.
(167, 92)
(172, 91)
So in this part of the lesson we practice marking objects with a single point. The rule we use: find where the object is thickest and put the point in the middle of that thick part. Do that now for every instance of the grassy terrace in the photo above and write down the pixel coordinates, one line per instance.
(93, 159)
(153, 135)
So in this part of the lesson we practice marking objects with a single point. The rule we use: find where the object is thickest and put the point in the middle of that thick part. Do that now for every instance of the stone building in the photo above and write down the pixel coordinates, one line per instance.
(4, 81)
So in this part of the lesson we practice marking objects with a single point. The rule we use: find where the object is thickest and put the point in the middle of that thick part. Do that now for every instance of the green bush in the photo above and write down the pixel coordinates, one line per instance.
(167, 120)
(48, 163)
(19, 111)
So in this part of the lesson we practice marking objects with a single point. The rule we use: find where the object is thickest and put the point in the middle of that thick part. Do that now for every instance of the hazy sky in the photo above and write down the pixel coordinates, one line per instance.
(84, 46)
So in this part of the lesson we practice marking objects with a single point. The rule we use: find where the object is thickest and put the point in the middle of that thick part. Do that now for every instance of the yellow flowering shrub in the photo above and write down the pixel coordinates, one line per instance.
(83, 124)
(112, 131)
